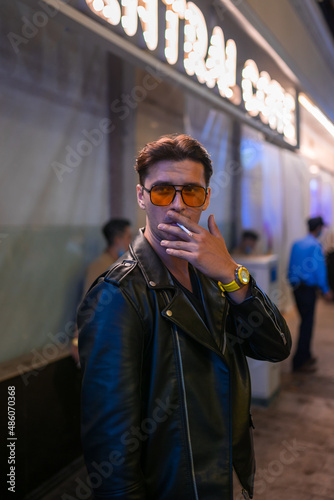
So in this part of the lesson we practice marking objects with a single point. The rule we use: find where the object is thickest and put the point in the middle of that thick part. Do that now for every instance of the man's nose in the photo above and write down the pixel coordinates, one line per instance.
(178, 203)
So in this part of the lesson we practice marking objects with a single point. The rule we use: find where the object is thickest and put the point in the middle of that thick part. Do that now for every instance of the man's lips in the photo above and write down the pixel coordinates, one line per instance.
(172, 222)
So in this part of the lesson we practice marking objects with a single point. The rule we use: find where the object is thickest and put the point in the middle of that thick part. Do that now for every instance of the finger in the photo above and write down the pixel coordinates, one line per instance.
(182, 233)
(182, 254)
(184, 229)
(178, 245)
(185, 221)
(213, 228)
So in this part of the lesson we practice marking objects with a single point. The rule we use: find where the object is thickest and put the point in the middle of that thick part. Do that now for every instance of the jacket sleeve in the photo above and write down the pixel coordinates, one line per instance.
(259, 327)
(111, 348)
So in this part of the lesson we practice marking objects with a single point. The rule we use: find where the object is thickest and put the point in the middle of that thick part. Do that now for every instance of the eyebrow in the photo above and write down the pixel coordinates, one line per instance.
(166, 183)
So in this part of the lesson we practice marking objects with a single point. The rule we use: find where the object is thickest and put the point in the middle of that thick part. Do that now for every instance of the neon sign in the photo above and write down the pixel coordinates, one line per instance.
(211, 60)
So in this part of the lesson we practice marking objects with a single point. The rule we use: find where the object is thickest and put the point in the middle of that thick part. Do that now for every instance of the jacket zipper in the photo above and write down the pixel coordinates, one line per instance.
(224, 329)
(271, 314)
(184, 401)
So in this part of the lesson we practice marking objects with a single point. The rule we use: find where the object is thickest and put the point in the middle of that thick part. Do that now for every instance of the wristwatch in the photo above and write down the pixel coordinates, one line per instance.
(241, 279)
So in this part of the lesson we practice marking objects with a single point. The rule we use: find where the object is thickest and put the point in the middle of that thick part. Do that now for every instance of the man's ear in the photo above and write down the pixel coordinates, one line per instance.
(140, 197)
(207, 199)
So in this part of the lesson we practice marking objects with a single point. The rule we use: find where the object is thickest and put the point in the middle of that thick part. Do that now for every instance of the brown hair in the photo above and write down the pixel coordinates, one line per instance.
(113, 228)
(175, 148)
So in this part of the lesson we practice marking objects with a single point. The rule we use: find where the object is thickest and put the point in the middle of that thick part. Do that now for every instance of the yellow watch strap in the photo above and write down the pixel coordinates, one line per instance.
(230, 287)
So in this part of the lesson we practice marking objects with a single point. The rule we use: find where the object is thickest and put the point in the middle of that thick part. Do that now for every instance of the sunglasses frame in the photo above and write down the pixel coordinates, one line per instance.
(176, 191)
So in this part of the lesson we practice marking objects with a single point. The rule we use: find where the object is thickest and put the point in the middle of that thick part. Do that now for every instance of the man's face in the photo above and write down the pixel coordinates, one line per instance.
(178, 174)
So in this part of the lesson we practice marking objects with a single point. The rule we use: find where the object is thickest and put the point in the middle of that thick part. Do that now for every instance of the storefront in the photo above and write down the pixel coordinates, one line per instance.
(84, 85)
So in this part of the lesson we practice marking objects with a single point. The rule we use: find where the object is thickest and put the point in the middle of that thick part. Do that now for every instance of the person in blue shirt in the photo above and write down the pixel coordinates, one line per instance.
(307, 273)
(329, 252)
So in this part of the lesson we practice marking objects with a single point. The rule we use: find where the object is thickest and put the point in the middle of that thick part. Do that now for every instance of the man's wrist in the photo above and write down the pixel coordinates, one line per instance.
(228, 274)
(241, 278)
(239, 296)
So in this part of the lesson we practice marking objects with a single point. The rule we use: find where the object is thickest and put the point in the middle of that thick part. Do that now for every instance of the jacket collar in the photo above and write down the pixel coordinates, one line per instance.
(179, 310)
(154, 271)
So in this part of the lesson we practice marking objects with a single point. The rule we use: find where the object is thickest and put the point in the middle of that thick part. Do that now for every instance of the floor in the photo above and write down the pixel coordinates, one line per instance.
(294, 437)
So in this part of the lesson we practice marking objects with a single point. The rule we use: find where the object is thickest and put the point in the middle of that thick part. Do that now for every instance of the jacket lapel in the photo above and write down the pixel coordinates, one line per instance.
(216, 309)
(179, 310)
(182, 313)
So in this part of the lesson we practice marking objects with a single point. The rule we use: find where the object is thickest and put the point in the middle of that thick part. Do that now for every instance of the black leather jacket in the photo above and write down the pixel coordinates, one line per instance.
(166, 397)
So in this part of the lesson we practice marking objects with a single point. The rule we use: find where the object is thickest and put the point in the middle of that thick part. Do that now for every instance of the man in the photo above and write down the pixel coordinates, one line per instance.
(248, 242)
(166, 389)
(329, 253)
(307, 272)
(117, 233)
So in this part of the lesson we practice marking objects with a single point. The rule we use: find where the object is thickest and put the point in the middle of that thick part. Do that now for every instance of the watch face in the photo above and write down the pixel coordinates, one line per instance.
(244, 275)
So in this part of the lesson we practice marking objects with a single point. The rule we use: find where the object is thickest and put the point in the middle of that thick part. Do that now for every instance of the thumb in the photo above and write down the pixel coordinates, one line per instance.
(213, 228)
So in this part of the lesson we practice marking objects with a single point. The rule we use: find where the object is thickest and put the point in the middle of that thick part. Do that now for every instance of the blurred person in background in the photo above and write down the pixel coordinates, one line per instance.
(248, 241)
(307, 274)
(329, 252)
(117, 233)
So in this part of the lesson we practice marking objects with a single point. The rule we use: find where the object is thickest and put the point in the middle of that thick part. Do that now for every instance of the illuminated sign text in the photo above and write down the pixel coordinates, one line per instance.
(211, 60)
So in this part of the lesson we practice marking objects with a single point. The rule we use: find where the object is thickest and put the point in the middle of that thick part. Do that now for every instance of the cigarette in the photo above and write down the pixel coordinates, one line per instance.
(185, 229)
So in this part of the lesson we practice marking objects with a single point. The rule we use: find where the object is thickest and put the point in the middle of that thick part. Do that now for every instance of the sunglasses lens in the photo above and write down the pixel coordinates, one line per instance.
(162, 195)
(193, 196)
